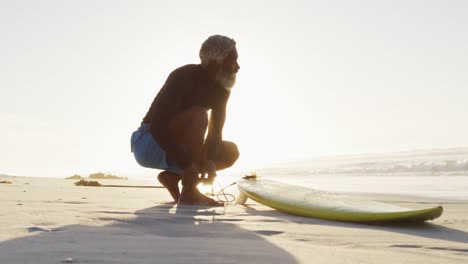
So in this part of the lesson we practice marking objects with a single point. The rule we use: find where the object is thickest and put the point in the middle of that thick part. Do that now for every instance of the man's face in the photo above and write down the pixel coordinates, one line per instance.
(226, 75)
(230, 62)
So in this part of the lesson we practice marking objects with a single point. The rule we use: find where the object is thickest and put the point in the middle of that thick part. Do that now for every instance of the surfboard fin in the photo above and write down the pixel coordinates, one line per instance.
(241, 198)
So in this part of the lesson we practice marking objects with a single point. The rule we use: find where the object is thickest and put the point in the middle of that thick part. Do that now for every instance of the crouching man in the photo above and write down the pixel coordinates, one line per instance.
(172, 134)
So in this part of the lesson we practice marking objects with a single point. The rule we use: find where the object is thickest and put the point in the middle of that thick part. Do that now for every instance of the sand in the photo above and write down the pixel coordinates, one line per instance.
(52, 221)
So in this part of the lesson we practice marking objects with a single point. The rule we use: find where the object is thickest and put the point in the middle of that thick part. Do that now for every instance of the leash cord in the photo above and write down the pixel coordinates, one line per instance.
(223, 196)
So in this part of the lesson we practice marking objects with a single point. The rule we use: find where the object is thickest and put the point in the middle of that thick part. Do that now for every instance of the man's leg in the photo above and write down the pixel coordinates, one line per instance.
(227, 155)
(171, 182)
(189, 129)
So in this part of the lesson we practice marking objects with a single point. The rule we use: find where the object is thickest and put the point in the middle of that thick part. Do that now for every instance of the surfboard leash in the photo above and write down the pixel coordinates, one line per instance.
(231, 196)
(223, 196)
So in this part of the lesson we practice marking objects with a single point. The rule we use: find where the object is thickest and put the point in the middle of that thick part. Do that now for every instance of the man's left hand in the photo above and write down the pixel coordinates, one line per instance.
(209, 172)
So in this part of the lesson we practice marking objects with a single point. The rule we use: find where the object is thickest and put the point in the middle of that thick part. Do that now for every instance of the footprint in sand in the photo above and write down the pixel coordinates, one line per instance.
(268, 232)
(42, 229)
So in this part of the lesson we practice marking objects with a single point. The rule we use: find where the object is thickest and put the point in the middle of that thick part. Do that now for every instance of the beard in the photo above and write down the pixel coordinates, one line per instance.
(226, 79)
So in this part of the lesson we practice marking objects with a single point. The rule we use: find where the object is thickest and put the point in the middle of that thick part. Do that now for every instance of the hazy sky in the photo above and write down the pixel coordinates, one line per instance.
(317, 77)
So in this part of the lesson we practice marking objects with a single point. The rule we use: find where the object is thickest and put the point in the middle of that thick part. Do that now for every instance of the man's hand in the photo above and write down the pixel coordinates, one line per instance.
(209, 172)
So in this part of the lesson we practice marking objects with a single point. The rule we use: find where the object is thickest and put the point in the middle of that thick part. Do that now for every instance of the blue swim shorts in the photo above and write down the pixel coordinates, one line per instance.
(148, 153)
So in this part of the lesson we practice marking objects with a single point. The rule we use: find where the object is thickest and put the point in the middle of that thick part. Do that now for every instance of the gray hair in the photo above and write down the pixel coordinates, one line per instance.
(215, 49)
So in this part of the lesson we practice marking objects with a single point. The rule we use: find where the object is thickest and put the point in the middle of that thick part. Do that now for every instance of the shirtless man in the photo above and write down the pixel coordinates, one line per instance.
(172, 134)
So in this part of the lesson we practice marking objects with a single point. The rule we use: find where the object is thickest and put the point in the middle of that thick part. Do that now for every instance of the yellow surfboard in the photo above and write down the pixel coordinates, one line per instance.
(309, 202)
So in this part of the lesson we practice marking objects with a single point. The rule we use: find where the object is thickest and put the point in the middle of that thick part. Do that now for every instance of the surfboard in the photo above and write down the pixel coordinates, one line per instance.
(314, 203)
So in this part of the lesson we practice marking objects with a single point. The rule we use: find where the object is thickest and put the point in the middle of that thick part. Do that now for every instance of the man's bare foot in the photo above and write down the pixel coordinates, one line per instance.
(194, 197)
(171, 182)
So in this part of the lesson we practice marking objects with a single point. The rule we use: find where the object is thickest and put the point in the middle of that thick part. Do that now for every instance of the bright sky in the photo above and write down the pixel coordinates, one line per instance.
(317, 77)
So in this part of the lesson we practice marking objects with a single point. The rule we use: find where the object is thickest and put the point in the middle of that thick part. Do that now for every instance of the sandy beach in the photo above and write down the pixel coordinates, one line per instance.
(355, 98)
(46, 220)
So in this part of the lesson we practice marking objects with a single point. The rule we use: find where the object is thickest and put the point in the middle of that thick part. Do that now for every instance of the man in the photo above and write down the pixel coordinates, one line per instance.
(172, 134)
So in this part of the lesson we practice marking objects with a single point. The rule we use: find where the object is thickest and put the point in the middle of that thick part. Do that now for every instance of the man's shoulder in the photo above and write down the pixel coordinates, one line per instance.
(188, 69)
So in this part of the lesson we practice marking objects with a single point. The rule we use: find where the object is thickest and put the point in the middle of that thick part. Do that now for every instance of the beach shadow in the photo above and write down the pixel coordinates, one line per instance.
(425, 229)
(161, 234)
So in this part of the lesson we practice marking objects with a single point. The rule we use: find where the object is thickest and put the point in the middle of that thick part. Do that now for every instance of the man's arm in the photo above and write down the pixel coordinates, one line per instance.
(216, 125)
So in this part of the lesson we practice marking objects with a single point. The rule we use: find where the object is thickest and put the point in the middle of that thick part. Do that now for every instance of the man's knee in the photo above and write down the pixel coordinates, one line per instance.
(231, 152)
(236, 153)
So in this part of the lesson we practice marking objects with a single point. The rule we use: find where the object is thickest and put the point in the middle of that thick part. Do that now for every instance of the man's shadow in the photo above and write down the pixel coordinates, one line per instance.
(159, 234)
